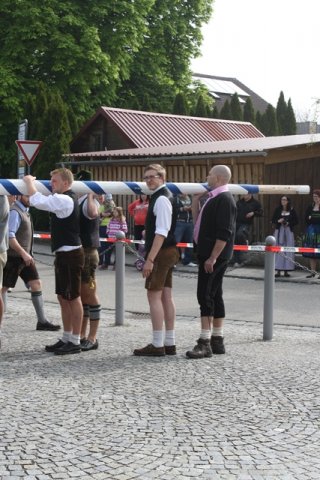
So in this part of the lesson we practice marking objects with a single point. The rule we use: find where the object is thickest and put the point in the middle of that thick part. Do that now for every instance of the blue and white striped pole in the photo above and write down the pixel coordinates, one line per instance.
(18, 187)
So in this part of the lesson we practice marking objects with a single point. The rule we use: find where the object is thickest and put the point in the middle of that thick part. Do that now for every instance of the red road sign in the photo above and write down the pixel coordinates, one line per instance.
(29, 149)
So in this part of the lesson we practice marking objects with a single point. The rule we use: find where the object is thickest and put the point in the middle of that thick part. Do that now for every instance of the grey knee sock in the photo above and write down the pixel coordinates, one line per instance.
(4, 294)
(37, 301)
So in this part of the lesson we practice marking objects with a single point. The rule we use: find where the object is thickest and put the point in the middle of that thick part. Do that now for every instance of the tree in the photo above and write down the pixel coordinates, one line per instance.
(281, 112)
(269, 122)
(235, 107)
(225, 112)
(200, 109)
(180, 105)
(291, 124)
(83, 50)
(248, 111)
(53, 129)
(215, 112)
(162, 64)
(94, 53)
(258, 121)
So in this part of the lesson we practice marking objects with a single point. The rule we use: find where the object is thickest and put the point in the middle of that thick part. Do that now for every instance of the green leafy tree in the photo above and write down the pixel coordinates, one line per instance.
(83, 50)
(248, 111)
(162, 64)
(146, 103)
(94, 53)
(235, 107)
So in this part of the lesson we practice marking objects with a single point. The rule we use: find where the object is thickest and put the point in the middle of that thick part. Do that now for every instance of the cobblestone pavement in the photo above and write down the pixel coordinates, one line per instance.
(250, 414)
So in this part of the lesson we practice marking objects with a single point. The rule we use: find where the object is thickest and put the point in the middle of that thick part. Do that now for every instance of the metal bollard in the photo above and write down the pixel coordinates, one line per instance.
(120, 268)
(269, 262)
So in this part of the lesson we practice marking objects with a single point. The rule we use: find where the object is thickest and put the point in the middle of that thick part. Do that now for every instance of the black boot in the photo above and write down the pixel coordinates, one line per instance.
(217, 345)
(201, 350)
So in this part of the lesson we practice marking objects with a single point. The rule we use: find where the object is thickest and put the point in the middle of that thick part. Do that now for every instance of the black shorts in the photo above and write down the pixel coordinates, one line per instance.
(16, 268)
(68, 268)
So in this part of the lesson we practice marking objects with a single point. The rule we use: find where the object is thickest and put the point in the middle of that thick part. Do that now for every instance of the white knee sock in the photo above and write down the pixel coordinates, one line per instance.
(157, 338)
(74, 339)
(205, 334)
(66, 337)
(170, 338)
(217, 332)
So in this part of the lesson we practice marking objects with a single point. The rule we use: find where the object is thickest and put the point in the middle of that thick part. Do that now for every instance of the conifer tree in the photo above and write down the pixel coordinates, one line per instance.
(235, 107)
(291, 124)
(258, 121)
(281, 113)
(180, 105)
(225, 112)
(269, 122)
(248, 111)
(215, 112)
(200, 109)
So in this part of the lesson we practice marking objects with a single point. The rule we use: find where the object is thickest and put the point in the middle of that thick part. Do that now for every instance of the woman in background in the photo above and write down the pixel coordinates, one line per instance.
(106, 207)
(284, 219)
(312, 235)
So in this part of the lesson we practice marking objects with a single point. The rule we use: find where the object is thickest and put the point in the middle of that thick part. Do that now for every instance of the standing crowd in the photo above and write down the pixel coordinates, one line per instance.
(209, 224)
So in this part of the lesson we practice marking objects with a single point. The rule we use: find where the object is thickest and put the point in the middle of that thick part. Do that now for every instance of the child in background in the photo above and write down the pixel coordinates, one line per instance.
(117, 224)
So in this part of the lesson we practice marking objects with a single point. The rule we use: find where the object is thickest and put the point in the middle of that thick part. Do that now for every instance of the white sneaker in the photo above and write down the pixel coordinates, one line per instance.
(191, 264)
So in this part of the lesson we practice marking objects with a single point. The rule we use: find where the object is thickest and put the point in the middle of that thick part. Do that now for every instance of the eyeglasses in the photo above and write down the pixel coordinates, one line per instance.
(150, 177)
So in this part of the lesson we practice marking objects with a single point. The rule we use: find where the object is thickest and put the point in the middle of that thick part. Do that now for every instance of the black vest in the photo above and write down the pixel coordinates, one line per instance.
(151, 221)
(66, 231)
(89, 229)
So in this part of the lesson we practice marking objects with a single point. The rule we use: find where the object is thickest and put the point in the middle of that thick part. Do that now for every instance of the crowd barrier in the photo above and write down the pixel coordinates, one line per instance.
(269, 248)
(242, 248)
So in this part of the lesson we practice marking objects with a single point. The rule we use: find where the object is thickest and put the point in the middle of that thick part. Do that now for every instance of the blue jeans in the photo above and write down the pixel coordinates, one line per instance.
(184, 233)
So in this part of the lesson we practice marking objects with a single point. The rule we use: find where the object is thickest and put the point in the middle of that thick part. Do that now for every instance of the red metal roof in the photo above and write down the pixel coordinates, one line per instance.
(147, 129)
(231, 146)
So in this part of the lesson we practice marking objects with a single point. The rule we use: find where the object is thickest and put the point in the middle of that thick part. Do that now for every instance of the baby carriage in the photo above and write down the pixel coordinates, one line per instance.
(140, 260)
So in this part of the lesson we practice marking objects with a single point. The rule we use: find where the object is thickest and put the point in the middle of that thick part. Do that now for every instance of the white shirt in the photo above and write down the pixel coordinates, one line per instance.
(163, 212)
(58, 203)
(84, 199)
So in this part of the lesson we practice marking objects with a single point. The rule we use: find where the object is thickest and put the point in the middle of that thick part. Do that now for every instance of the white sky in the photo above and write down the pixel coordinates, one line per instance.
(270, 46)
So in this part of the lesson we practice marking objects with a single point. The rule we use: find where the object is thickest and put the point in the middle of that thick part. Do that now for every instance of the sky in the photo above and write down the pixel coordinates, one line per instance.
(268, 45)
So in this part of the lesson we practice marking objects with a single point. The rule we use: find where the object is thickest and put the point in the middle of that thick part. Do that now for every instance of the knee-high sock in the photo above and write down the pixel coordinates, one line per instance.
(37, 301)
(4, 294)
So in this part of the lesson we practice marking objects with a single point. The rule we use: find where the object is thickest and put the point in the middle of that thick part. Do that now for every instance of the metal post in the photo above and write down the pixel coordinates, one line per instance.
(120, 267)
(269, 262)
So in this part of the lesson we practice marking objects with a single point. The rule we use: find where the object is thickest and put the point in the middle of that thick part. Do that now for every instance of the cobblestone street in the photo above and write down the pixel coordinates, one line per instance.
(250, 414)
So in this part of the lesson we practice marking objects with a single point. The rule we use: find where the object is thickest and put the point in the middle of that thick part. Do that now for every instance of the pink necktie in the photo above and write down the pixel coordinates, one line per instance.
(214, 193)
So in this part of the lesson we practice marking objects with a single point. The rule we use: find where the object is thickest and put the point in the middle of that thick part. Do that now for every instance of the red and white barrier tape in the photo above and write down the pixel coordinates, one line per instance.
(242, 248)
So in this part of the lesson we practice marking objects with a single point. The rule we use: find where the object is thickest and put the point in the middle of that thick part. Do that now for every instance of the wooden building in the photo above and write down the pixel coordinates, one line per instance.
(253, 158)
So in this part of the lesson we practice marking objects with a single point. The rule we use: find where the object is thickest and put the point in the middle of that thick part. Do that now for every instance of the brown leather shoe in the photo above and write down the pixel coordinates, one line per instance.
(170, 350)
(149, 351)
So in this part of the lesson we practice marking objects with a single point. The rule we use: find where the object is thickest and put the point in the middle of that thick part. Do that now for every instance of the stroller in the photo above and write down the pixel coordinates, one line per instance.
(139, 263)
